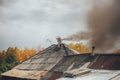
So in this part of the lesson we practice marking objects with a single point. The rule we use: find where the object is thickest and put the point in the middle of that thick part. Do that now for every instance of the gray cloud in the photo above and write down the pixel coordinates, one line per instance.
(31, 22)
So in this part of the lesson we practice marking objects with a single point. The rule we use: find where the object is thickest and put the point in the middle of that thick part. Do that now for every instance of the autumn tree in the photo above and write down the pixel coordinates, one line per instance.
(12, 56)
(80, 47)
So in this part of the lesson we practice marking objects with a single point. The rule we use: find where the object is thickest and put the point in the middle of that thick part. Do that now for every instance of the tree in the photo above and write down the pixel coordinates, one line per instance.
(80, 47)
(11, 58)
(1, 60)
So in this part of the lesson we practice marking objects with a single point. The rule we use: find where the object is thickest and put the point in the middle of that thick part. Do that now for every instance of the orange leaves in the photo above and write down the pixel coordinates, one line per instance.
(20, 55)
(80, 47)
(13, 56)
(24, 54)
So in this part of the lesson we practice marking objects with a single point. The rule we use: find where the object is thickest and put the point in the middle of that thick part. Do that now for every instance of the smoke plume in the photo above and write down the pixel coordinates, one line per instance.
(78, 36)
(103, 30)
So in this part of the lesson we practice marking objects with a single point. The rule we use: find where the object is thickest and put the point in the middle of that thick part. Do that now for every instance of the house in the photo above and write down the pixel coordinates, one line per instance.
(59, 62)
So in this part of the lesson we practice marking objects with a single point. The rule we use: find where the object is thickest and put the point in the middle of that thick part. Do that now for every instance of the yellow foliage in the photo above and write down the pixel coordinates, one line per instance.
(80, 47)
(22, 55)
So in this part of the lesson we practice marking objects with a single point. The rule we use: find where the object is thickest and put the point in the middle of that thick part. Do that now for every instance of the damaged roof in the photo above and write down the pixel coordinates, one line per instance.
(102, 67)
(54, 61)
(41, 62)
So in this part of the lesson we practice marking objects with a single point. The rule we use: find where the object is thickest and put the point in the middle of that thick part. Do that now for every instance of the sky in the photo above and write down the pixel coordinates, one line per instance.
(32, 22)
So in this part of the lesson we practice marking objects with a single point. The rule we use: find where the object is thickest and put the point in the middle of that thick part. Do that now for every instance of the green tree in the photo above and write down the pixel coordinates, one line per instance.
(10, 58)
(1, 60)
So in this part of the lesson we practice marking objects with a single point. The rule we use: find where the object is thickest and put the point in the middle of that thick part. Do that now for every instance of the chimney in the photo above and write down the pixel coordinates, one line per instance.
(93, 48)
(59, 40)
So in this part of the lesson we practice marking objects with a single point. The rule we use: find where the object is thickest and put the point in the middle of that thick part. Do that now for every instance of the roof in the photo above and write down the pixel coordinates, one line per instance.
(51, 63)
(49, 57)
(102, 66)
(43, 61)
(106, 62)
(68, 63)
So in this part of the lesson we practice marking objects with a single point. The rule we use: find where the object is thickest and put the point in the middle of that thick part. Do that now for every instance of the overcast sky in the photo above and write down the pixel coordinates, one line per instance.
(31, 22)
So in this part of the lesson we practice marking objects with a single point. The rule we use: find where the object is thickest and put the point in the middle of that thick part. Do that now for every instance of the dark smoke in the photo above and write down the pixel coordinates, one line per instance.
(103, 30)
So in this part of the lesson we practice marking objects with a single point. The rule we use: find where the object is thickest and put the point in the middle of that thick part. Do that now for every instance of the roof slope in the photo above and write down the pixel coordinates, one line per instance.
(46, 59)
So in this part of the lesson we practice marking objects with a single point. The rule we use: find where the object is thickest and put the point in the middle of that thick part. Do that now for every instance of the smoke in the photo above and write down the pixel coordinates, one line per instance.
(103, 30)
(78, 36)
